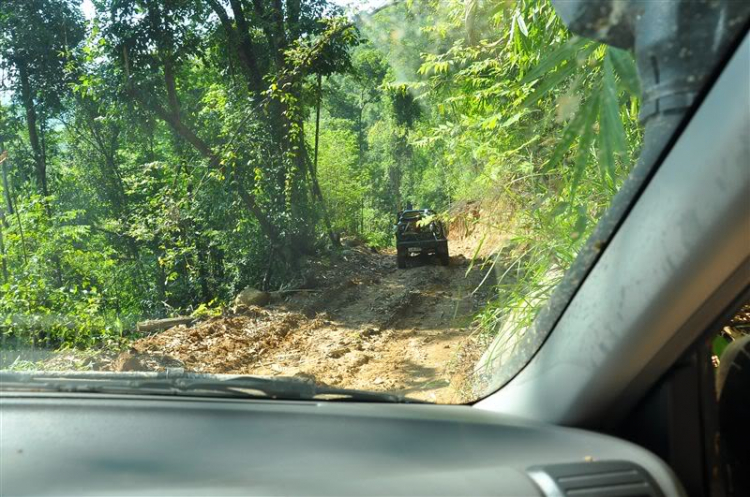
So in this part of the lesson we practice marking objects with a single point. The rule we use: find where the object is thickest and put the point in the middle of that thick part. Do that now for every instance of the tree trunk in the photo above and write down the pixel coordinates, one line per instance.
(285, 129)
(360, 131)
(3, 263)
(202, 147)
(27, 97)
(115, 196)
(40, 161)
(6, 187)
(239, 40)
(266, 284)
(12, 210)
(155, 325)
(314, 172)
(317, 123)
(394, 175)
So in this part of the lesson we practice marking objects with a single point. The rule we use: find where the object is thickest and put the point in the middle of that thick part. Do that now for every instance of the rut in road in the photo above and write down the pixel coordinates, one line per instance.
(367, 325)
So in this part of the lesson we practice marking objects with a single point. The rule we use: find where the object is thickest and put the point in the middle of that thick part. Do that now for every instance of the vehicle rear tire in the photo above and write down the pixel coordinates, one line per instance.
(401, 259)
(445, 257)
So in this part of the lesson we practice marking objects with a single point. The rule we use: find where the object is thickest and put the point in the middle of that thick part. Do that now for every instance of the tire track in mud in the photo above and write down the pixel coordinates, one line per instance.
(373, 327)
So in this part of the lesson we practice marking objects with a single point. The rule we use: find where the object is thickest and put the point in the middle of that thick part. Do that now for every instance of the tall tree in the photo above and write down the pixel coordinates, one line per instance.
(158, 45)
(36, 39)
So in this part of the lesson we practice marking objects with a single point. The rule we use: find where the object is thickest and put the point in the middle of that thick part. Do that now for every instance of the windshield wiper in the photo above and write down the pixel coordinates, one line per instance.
(180, 383)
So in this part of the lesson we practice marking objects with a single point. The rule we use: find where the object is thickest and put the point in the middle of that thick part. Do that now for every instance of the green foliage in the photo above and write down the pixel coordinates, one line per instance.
(37, 47)
(207, 310)
(517, 109)
(171, 172)
(176, 142)
(338, 174)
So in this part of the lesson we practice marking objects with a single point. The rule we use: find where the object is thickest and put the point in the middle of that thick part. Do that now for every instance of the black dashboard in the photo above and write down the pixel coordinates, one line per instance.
(65, 444)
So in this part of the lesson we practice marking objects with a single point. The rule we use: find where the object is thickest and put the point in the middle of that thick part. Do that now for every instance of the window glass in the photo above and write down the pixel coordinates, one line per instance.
(368, 196)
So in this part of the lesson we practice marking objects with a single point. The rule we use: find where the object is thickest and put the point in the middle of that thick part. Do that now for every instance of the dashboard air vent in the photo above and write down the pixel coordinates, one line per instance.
(600, 479)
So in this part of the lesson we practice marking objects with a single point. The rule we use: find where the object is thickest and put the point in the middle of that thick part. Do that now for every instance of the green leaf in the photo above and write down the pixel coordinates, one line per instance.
(550, 82)
(522, 24)
(584, 143)
(625, 67)
(581, 222)
(567, 52)
(513, 119)
(475, 255)
(560, 209)
(572, 131)
(612, 139)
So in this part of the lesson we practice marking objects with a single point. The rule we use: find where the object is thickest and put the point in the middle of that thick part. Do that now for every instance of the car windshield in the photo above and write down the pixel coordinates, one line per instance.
(353, 196)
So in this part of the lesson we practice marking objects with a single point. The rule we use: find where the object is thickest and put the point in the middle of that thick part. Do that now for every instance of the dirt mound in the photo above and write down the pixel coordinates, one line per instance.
(224, 345)
(474, 227)
(363, 324)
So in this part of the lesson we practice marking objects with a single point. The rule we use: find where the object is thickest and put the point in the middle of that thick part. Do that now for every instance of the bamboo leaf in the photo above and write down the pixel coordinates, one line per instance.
(560, 209)
(612, 140)
(567, 52)
(512, 33)
(550, 82)
(625, 67)
(572, 131)
(522, 24)
(584, 143)
(513, 119)
(581, 222)
(475, 255)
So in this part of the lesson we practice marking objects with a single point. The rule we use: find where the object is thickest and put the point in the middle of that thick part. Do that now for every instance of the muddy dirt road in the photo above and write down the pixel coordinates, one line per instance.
(365, 325)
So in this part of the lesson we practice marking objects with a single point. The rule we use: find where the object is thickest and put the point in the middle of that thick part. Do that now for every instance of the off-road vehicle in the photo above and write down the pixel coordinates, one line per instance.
(418, 231)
